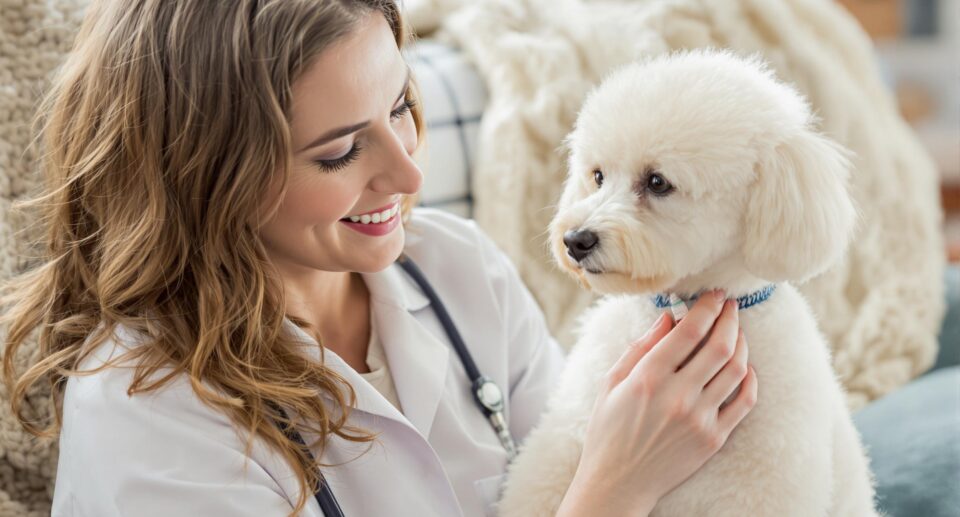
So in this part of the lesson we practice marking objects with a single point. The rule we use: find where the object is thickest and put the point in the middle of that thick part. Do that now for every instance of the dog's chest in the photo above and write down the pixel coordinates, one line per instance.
(791, 360)
(788, 429)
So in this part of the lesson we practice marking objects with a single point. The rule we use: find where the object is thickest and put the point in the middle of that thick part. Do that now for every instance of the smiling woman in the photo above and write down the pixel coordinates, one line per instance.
(257, 212)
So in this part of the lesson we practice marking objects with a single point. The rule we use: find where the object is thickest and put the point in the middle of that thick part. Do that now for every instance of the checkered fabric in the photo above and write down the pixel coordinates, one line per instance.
(453, 97)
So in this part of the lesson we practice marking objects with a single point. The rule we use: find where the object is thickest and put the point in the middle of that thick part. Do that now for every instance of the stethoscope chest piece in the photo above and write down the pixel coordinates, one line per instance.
(490, 398)
(488, 394)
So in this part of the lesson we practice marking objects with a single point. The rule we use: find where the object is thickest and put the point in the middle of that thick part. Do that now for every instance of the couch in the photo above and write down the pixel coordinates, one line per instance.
(913, 434)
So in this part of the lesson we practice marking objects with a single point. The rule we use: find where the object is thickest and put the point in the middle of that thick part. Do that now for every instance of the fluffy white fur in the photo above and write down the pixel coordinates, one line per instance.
(759, 197)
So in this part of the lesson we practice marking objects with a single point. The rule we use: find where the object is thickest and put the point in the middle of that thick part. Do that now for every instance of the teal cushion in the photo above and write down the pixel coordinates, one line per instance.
(913, 439)
(949, 354)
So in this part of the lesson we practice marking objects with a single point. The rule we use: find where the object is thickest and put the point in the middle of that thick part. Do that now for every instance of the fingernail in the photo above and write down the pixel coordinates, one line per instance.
(659, 320)
(719, 295)
(652, 328)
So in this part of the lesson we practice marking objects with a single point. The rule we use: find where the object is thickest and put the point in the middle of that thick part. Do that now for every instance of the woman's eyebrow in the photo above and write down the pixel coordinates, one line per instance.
(339, 132)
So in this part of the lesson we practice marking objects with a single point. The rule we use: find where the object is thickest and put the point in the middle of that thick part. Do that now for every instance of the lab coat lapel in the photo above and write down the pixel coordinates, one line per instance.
(369, 400)
(418, 360)
(417, 357)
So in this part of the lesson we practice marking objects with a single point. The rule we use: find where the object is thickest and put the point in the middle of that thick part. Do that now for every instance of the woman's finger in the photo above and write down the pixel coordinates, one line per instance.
(729, 377)
(689, 332)
(718, 350)
(734, 412)
(636, 350)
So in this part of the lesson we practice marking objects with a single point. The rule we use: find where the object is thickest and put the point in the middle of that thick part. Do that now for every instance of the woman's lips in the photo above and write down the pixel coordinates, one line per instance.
(377, 222)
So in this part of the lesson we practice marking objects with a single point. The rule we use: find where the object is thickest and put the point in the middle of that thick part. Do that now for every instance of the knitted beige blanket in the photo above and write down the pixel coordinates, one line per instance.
(35, 35)
(881, 307)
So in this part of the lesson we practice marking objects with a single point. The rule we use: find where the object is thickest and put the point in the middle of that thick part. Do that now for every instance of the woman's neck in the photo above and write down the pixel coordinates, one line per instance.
(337, 304)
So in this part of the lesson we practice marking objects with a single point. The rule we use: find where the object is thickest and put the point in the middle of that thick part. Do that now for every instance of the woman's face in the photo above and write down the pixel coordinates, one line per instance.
(353, 137)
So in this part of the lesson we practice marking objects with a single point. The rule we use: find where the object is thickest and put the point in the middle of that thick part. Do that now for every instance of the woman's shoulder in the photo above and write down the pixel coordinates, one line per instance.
(99, 397)
(440, 238)
(119, 449)
(104, 368)
(458, 254)
(432, 226)
(467, 267)
(109, 358)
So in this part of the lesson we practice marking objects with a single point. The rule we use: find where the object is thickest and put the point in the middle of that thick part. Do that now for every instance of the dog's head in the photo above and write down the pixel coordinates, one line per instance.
(699, 165)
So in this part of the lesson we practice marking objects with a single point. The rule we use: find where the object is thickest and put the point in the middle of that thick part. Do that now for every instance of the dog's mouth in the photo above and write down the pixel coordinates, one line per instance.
(611, 282)
(596, 276)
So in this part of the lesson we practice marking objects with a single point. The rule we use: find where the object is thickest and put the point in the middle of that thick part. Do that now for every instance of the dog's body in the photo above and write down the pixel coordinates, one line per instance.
(795, 454)
(756, 197)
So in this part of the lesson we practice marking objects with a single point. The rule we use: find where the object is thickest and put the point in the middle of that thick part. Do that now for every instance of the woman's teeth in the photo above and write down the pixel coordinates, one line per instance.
(379, 217)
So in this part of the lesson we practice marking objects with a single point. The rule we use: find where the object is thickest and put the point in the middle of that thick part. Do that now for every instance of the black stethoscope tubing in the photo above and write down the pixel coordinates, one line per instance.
(486, 393)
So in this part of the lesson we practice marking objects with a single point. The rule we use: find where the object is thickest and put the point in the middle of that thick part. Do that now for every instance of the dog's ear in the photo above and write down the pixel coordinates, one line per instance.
(799, 216)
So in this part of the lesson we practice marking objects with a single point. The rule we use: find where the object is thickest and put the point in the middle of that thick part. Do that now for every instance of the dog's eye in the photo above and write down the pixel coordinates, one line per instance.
(658, 185)
(598, 177)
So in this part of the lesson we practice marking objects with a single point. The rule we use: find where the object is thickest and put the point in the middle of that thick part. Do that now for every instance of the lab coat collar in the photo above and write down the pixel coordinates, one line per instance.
(393, 286)
(418, 360)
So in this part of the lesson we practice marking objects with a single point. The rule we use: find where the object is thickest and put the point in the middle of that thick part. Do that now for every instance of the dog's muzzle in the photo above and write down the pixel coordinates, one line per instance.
(580, 243)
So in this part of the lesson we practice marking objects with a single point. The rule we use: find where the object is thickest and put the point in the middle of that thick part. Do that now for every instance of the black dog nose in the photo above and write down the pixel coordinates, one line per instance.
(580, 243)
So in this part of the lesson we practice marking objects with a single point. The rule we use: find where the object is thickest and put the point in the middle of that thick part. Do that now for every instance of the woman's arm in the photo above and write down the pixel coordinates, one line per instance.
(595, 498)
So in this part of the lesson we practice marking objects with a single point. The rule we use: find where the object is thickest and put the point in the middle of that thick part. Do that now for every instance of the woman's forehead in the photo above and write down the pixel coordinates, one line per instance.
(355, 79)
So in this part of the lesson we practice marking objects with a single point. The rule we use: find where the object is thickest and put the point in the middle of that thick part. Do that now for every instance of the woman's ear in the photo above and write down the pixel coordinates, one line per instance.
(800, 217)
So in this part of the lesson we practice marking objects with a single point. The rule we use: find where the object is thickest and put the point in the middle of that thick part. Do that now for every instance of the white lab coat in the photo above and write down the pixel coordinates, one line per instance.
(165, 453)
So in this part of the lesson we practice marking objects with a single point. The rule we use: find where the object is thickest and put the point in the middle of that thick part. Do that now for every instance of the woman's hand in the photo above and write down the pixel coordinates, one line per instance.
(657, 419)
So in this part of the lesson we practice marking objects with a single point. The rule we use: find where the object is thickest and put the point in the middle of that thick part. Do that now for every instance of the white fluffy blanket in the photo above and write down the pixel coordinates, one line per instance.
(881, 307)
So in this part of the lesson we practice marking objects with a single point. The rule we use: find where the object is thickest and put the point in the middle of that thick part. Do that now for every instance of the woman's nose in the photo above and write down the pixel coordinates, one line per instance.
(397, 171)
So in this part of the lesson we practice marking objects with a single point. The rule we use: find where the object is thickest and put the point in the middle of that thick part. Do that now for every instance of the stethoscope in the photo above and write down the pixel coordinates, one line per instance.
(486, 393)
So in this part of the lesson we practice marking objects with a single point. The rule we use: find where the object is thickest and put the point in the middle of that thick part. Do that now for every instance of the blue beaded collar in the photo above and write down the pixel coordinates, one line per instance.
(662, 301)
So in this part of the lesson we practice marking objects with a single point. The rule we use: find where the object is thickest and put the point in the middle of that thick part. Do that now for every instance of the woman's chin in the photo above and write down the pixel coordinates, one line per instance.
(377, 256)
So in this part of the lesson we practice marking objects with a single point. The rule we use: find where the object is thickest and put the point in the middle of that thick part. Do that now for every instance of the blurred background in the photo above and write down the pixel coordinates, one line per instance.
(918, 44)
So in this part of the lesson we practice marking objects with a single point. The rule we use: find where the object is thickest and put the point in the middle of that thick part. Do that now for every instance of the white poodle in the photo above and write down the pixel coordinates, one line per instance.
(688, 172)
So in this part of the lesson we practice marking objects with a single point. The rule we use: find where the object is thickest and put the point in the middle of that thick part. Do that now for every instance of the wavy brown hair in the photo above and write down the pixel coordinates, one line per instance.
(163, 128)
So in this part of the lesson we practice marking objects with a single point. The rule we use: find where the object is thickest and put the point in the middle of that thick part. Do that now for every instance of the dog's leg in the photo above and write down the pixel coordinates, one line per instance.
(853, 494)
(539, 477)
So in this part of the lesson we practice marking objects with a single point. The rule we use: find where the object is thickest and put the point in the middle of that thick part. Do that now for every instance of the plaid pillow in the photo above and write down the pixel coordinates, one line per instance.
(453, 97)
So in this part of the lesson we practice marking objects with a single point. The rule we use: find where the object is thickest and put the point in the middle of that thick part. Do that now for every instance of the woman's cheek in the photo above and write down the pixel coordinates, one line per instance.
(318, 201)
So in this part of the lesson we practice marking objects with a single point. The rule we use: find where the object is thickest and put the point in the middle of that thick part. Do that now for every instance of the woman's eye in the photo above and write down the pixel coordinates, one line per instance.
(402, 110)
(598, 177)
(658, 185)
(338, 163)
